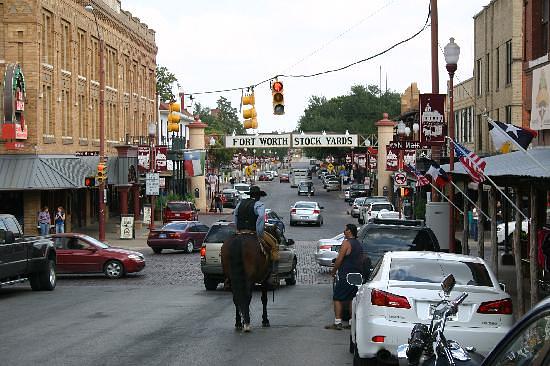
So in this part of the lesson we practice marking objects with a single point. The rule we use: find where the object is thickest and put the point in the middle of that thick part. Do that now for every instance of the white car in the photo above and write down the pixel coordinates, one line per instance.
(326, 253)
(369, 212)
(244, 190)
(402, 290)
(389, 215)
(356, 206)
(272, 172)
(511, 228)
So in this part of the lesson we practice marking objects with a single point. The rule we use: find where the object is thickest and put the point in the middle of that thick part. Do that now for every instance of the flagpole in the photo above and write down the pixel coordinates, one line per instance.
(448, 200)
(490, 180)
(472, 202)
(518, 146)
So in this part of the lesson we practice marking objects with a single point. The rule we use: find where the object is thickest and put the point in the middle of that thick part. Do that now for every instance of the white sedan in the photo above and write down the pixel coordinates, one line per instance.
(404, 287)
(327, 250)
(306, 212)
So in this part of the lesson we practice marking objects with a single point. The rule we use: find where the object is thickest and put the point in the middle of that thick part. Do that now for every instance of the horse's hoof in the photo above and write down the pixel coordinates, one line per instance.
(247, 328)
(238, 327)
(266, 324)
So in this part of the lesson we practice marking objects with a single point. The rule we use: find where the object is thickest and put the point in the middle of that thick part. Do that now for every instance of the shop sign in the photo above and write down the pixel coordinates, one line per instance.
(433, 127)
(392, 159)
(14, 127)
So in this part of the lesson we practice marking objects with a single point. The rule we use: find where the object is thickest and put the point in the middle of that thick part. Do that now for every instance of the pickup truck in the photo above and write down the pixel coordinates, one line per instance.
(25, 258)
(211, 262)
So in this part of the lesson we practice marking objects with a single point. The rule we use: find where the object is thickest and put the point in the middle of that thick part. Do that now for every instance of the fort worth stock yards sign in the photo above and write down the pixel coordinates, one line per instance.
(291, 140)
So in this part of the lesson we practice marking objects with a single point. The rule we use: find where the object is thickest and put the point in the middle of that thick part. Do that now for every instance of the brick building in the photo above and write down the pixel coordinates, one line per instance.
(56, 45)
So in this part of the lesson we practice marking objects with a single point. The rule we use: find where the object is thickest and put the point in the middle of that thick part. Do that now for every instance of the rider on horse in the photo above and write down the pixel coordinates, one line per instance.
(249, 216)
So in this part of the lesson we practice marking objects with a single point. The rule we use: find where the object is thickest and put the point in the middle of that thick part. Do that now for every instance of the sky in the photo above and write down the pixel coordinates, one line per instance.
(214, 45)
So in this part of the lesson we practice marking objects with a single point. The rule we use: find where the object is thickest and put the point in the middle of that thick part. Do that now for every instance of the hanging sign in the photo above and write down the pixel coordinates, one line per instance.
(433, 128)
(323, 140)
(14, 127)
(392, 159)
(253, 141)
(160, 158)
(409, 157)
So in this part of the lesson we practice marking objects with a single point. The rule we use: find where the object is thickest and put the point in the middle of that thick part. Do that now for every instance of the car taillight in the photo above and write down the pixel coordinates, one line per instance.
(326, 247)
(174, 235)
(203, 251)
(265, 217)
(293, 211)
(503, 306)
(383, 298)
(378, 339)
(317, 212)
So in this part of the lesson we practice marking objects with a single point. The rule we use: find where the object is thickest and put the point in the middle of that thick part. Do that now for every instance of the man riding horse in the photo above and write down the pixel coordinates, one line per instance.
(249, 217)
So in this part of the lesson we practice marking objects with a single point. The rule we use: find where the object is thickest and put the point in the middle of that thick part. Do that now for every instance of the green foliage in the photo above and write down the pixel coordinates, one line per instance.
(356, 112)
(165, 80)
(161, 200)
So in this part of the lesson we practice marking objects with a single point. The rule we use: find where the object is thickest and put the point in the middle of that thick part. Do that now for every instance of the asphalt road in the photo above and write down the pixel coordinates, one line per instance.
(164, 316)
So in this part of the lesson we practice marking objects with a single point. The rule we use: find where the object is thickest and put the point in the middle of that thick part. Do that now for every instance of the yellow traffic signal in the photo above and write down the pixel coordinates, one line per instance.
(278, 98)
(249, 114)
(174, 117)
(101, 173)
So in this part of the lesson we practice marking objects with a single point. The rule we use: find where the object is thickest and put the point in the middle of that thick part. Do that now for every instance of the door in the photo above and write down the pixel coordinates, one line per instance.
(78, 256)
(286, 256)
(13, 256)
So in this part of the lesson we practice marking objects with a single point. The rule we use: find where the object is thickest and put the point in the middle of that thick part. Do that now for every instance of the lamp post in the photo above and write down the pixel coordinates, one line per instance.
(152, 129)
(401, 131)
(451, 53)
(89, 8)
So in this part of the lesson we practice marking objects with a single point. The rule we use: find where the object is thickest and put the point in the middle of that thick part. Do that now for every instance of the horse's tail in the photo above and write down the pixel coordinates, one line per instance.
(238, 276)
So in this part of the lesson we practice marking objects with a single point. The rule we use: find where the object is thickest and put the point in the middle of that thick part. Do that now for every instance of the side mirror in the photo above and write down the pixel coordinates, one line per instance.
(289, 241)
(502, 287)
(354, 279)
(321, 207)
(448, 284)
(6, 237)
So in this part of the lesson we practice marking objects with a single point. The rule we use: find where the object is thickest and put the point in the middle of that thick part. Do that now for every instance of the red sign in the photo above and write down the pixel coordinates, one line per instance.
(143, 159)
(433, 127)
(160, 158)
(14, 127)
(392, 159)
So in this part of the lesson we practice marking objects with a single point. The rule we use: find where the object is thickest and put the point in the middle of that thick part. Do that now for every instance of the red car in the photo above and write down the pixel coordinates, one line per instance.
(284, 178)
(264, 178)
(186, 235)
(180, 211)
(79, 253)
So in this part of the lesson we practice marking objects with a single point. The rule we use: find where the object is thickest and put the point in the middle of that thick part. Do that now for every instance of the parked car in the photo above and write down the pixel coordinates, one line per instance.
(244, 190)
(511, 228)
(333, 185)
(306, 212)
(321, 172)
(527, 342)
(211, 265)
(273, 173)
(306, 188)
(327, 250)
(272, 218)
(180, 211)
(178, 235)
(391, 215)
(370, 211)
(326, 178)
(403, 289)
(284, 178)
(232, 197)
(357, 190)
(366, 204)
(263, 177)
(79, 253)
(356, 206)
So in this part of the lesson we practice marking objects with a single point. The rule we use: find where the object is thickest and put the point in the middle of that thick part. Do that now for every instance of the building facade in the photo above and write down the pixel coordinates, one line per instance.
(57, 44)
(498, 46)
(464, 111)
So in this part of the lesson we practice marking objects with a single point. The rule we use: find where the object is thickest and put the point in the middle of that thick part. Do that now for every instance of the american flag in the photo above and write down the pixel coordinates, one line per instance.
(474, 165)
(421, 180)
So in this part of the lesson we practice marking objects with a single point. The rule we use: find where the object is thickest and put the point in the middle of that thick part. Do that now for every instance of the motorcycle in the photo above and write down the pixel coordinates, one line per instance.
(428, 346)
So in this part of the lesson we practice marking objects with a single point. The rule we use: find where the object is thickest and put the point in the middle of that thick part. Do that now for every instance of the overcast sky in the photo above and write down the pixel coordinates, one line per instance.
(222, 44)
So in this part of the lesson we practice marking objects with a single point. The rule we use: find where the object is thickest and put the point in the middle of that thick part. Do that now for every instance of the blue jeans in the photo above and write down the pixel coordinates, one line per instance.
(44, 228)
(474, 230)
(59, 228)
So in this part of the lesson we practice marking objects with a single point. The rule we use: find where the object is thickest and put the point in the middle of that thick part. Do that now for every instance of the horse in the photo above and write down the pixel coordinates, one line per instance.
(246, 262)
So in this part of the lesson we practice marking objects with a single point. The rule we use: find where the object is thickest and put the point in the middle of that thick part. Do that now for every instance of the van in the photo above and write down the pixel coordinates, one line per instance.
(297, 176)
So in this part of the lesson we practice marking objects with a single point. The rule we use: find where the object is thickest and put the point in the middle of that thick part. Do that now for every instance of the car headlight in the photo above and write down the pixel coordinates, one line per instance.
(135, 257)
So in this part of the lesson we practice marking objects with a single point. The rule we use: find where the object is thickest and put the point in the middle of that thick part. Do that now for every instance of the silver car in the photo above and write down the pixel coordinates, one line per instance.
(327, 250)
(333, 185)
(306, 188)
(356, 206)
(306, 212)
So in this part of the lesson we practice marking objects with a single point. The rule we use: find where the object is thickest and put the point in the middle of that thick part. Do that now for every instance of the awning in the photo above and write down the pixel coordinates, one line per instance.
(45, 172)
(514, 164)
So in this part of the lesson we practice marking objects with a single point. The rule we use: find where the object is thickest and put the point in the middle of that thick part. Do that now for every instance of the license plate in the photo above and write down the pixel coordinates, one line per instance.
(449, 318)
(162, 236)
(177, 215)
(304, 217)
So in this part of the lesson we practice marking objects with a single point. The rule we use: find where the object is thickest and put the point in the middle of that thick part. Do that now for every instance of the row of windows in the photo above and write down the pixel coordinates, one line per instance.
(483, 70)
(464, 125)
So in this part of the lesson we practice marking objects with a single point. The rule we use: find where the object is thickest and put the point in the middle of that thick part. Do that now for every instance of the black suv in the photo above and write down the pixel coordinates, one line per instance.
(357, 190)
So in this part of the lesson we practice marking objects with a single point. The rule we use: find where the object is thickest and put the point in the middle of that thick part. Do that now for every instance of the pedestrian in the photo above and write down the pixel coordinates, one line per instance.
(59, 220)
(475, 220)
(350, 259)
(218, 202)
(44, 221)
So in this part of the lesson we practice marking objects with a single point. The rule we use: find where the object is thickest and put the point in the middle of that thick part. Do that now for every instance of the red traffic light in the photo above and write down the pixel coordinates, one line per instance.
(278, 86)
(89, 182)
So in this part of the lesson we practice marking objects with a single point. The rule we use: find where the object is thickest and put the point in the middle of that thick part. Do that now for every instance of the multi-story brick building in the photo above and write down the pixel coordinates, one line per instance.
(56, 44)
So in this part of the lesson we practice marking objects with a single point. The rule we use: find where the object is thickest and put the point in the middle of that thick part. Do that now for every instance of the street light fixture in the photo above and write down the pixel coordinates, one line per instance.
(452, 53)
(90, 9)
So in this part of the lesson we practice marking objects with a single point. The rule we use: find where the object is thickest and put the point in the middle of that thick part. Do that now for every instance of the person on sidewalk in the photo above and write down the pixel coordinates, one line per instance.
(44, 221)
(59, 220)
(475, 218)
(350, 259)
(218, 202)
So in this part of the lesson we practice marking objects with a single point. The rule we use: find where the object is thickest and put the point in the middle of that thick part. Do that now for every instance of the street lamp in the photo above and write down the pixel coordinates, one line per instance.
(89, 8)
(451, 53)
(152, 130)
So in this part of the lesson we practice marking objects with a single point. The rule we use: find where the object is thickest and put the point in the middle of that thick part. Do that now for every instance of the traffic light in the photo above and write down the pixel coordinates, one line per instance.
(249, 114)
(174, 117)
(89, 181)
(101, 173)
(406, 191)
(278, 98)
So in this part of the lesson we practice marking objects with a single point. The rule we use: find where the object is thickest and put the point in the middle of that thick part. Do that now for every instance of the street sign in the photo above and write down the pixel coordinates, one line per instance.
(126, 226)
(400, 179)
(407, 145)
(330, 167)
(152, 184)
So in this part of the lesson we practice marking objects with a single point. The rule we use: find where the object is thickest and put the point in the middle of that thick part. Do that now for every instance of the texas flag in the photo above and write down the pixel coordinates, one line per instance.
(437, 173)
(194, 162)
(506, 135)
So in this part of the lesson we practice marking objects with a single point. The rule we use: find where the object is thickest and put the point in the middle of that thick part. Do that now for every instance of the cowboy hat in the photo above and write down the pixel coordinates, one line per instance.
(256, 192)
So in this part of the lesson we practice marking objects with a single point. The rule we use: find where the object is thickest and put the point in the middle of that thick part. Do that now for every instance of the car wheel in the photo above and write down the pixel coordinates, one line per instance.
(292, 223)
(157, 250)
(292, 280)
(361, 222)
(113, 269)
(358, 361)
(210, 284)
(44, 280)
(351, 345)
(189, 247)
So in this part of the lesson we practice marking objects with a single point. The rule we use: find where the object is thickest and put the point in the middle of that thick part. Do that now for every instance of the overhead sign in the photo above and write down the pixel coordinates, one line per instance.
(407, 145)
(320, 140)
(400, 179)
(258, 141)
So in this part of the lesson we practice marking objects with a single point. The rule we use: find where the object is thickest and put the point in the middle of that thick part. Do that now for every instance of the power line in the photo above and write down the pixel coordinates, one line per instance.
(426, 24)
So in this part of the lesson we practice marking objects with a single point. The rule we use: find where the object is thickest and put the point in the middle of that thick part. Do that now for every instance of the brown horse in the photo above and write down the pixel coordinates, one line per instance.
(245, 262)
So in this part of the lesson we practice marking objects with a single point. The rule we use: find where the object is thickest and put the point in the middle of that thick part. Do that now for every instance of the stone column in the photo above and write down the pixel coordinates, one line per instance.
(385, 135)
(196, 141)
(123, 190)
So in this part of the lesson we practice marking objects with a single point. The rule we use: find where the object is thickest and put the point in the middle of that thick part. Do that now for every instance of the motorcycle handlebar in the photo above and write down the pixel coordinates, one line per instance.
(456, 302)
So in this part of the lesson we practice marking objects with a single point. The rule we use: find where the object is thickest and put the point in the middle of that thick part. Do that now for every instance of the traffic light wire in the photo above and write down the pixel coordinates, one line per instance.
(424, 27)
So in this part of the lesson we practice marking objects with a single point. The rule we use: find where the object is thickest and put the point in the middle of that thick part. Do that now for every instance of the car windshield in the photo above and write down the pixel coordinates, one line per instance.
(175, 226)
(242, 188)
(305, 184)
(178, 206)
(434, 271)
(305, 205)
(219, 233)
(379, 207)
(358, 187)
(359, 201)
(96, 242)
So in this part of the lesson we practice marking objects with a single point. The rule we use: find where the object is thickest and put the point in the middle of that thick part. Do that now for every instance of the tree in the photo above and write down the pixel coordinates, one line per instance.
(165, 80)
